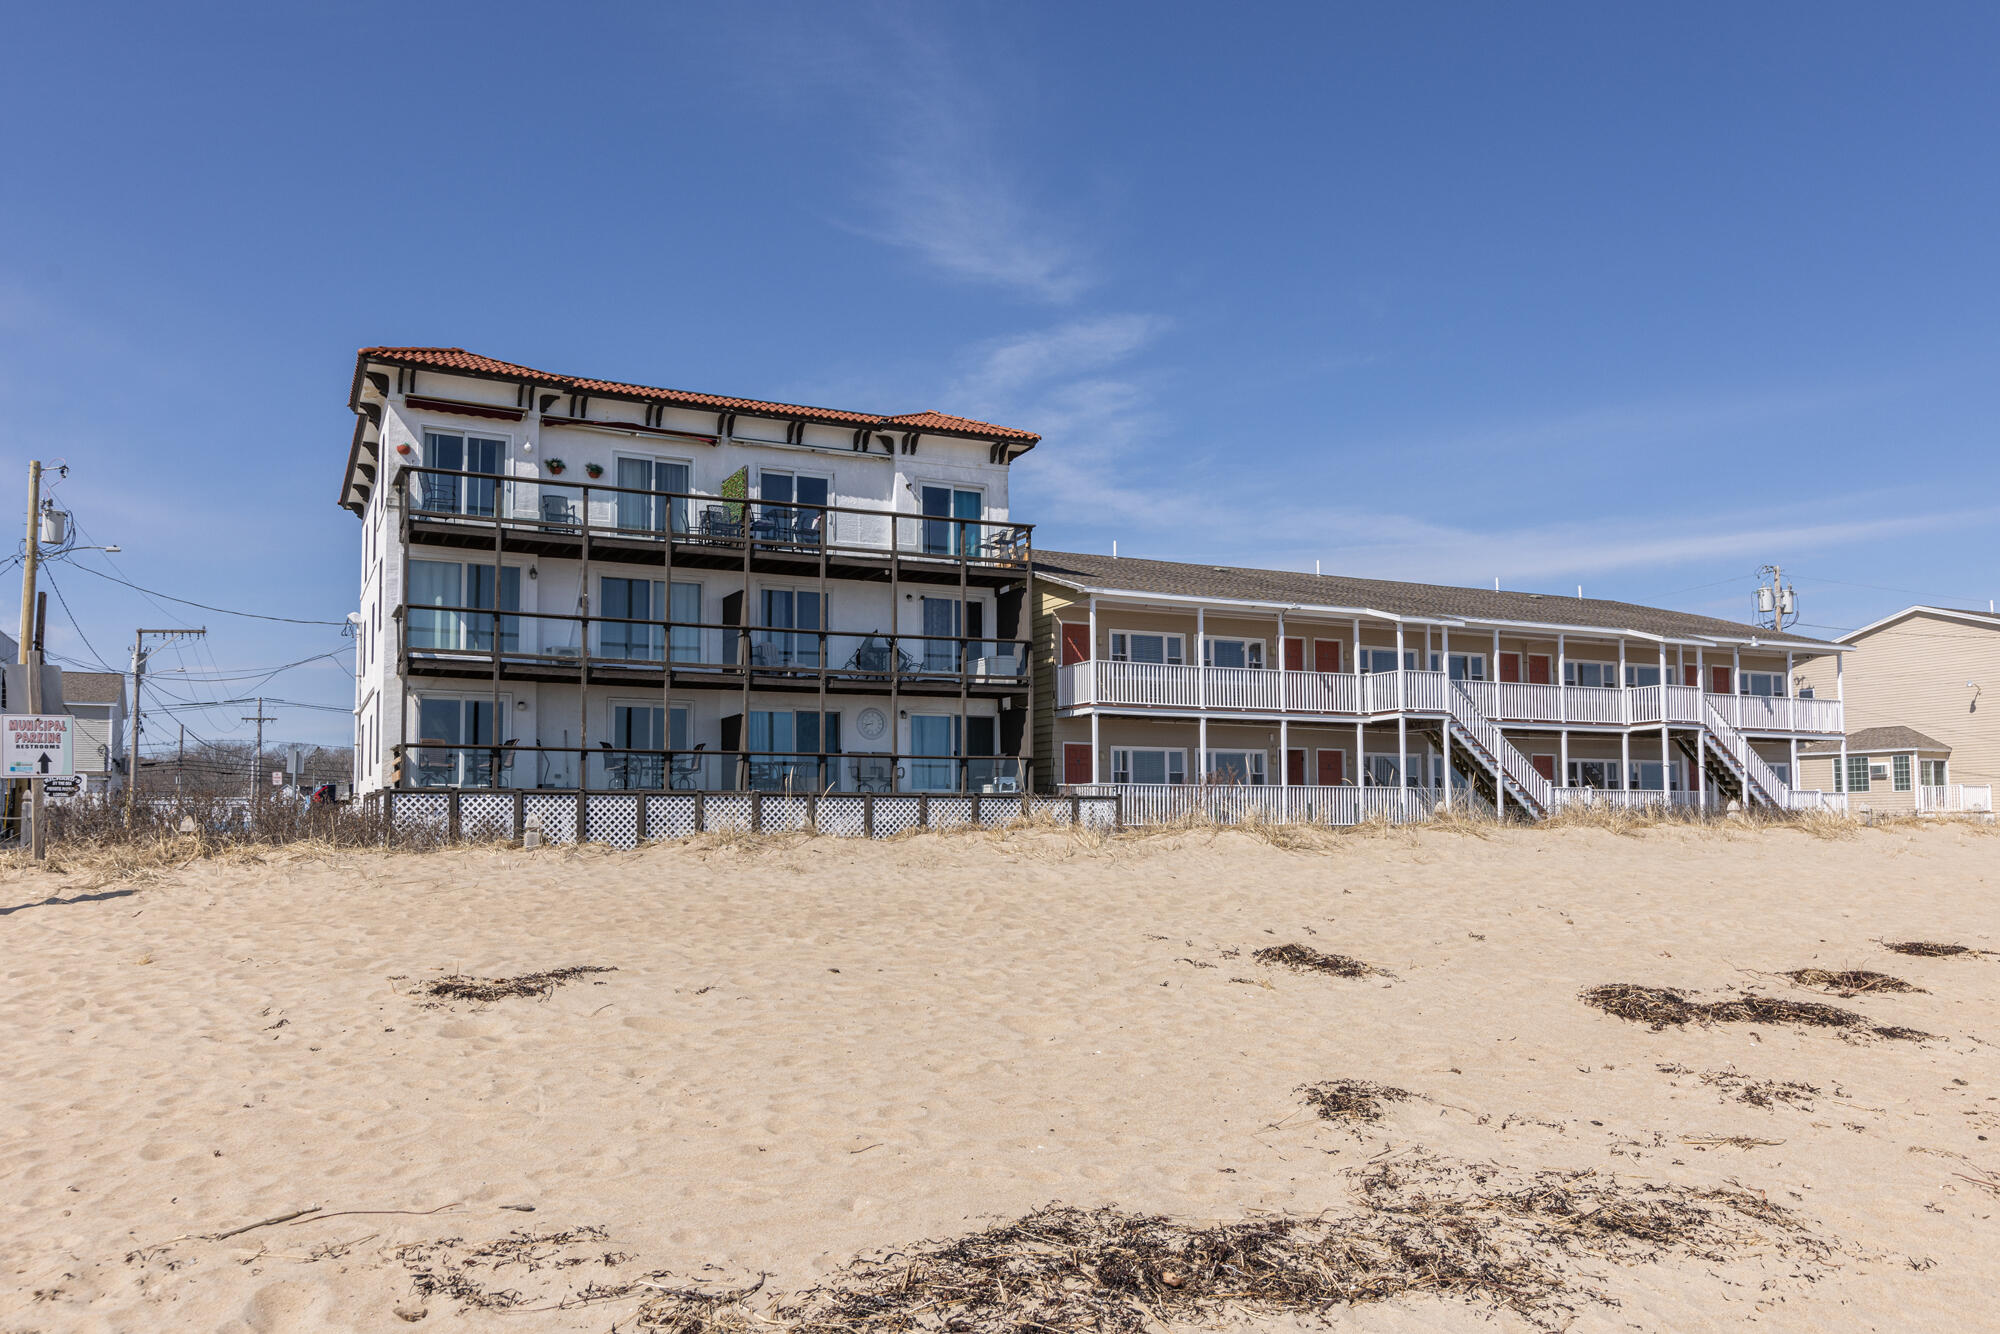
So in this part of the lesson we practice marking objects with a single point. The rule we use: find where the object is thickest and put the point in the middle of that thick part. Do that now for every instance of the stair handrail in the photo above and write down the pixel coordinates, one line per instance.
(1513, 764)
(1774, 789)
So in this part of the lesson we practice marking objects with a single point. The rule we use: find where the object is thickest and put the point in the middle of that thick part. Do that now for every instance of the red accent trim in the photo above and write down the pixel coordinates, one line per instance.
(1076, 762)
(1075, 642)
(463, 409)
(630, 426)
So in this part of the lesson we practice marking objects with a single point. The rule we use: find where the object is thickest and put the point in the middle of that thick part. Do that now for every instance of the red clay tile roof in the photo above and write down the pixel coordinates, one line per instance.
(471, 363)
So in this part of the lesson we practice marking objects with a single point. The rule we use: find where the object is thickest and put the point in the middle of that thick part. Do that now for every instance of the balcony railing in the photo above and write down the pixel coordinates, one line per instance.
(481, 638)
(439, 763)
(1345, 694)
(547, 507)
(1967, 798)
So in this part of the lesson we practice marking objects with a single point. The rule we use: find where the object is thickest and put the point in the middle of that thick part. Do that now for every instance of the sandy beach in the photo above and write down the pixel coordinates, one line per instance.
(816, 1049)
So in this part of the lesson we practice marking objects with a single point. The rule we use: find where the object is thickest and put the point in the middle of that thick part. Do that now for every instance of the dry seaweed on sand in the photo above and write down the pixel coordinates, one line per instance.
(452, 1269)
(1350, 1101)
(1761, 1092)
(1849, 982)
(1925, 949)
(1664, 1006)
(1426, 1228)
(1305, 959)
(536, 986)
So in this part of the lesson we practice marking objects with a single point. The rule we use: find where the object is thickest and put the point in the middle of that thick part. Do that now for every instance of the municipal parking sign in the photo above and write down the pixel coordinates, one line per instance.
(36, 745)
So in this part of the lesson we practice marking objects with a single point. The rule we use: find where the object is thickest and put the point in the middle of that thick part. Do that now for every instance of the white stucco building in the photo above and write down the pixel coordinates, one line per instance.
(575, 582)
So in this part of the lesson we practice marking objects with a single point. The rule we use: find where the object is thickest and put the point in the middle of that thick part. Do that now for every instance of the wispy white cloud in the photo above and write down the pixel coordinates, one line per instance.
(942, 182)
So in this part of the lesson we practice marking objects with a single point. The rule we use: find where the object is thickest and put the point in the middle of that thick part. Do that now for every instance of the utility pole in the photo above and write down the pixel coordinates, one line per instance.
(31, 658)
(180, 765)
(1776, 600)
(257, 760)
(139, 656)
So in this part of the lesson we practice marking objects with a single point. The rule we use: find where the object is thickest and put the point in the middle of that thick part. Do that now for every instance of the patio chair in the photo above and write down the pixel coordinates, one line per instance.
(557, 512)
(717, 524)
(440, 494)
(874, 776)
(686, 773)
(434, 763)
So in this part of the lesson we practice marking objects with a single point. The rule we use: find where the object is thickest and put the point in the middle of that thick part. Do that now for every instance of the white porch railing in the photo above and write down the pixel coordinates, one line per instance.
(1962, 797)
(1634, 798)
(1176, 803)
(1347, 695)
(1511, 767)
(1809, 799)
(1758, 778)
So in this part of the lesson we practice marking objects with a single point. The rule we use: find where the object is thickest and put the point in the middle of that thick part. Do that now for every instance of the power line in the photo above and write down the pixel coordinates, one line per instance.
(49, 574)
(225, 611)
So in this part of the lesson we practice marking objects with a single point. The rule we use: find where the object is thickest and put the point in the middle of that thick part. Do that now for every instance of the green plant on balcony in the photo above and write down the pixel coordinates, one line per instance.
(736, 487)
(555, 466)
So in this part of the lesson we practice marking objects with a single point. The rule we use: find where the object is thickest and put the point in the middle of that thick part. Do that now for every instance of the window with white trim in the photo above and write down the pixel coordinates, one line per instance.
(1464, 666)
(1602, 675)
(1642, 674)
(1932, 773)
(1771, 685)
(1240, 768)
(1857, 773)
(1901, 768)
(1232, 653)
(1137, 765)
(1599, 774)
(1133, 646)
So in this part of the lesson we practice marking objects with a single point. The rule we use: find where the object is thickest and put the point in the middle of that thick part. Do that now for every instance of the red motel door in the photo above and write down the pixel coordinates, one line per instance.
(1295, 767)
(1545, 765)
(1076, 762)
(1326, 655)
(1295, 655)
(1538, 669)
(1075, 642)
(1691, 675)
(1510, 667)
(1718, 681)
(1332, 768)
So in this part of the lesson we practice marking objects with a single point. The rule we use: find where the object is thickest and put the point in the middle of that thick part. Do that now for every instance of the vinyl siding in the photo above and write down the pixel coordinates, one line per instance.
(1913, 673)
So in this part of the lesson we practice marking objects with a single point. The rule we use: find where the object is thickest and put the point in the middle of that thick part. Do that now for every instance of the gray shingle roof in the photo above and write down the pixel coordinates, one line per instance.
(1233, 583)
(93, 687)
(1871, 739)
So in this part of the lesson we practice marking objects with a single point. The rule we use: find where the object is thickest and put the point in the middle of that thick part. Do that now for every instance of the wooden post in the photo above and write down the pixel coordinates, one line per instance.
(452, 824)
(520, 813)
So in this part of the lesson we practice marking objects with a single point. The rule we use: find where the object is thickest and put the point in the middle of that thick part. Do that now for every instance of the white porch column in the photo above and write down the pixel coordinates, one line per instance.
(1496, 653)
(1444, 651)
(1096, 749)
(1284, 753)
(1840, 694)
(1624, 699)
(1791, 709)
(1701, 677)
(1666, 764)
(1499, 777)
(1562, 773)
(1625, 760)
(1285, 666)
(1736, 672)
(1562, 691)
(1360, 757)
(1201, 748)
(1201, 657)
(1701, 756)
(1356, 667)
(1402, 710)
(1447, 732)
(1792, 774)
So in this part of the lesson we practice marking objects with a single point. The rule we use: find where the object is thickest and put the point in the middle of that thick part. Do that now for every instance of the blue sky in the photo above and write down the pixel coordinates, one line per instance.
(1559, 294)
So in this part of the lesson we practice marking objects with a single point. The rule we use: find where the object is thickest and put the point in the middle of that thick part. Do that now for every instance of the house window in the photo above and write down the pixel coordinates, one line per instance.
(1164, 649)
(1901, 765)
(945, 619)
(1771, 685)
(1464, 666)
(642, 600)
(637, 728)
(1599, 774)
(792, 519)
(1646, 776)
(1381, 770)
(787, 613)
(1932, 772)
(1637, 675)
(1148, 766)
(448, 730)
(951, 521)
(790, 741)
(1601, 675)
(1857, 773)
(1232, 653)
(1380, 660)
(650, 513)
(436, 588)
(1236, 767)
(455, 453)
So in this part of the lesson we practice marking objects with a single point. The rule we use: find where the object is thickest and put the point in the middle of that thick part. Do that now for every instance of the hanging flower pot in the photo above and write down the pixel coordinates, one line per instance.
(403, 448)
(555, 466)
(594, 469)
